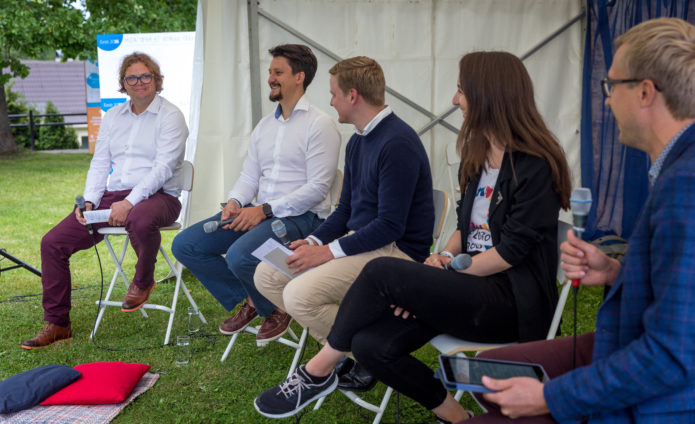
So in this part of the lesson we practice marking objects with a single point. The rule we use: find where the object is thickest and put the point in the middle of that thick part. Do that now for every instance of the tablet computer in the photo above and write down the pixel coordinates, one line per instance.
(463, 373)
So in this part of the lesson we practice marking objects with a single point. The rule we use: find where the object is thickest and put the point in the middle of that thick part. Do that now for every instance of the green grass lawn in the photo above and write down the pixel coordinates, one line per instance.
(37, 190)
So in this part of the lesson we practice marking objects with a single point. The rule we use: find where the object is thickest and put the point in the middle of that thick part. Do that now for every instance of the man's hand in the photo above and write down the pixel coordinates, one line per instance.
(438, 261)
(306, 257)
(231, 209)
(247, 218)
(119, 213)
(295, 244)
(585, 262)
(517, 397)
(78, 213)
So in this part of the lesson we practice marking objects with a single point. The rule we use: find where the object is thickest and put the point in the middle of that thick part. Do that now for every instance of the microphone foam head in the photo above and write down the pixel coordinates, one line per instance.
(210, 226)
(580, 201)
(279, 228)
(462, 261)
(79, 201)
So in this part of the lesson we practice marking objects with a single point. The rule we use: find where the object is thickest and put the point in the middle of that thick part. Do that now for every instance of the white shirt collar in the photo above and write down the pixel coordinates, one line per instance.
(375, 121)
(302, 104)
(153, 107)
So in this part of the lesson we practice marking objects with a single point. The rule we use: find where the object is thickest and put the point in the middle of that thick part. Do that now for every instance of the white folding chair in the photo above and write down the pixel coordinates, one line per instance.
(452, 167)
(450, 345)
(296, 343)
(108, 232)
(441, 201)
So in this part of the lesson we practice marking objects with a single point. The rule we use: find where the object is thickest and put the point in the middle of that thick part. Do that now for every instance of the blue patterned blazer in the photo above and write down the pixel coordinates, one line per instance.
(643, 368)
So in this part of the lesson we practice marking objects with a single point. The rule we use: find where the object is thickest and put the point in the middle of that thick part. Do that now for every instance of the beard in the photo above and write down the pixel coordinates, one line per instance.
(275, 97)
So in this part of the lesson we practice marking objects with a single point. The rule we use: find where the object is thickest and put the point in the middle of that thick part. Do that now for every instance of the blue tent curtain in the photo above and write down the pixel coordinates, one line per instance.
(616, 175)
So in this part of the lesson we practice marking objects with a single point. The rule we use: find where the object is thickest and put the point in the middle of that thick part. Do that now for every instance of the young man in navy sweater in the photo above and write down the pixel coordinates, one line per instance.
(385, 208)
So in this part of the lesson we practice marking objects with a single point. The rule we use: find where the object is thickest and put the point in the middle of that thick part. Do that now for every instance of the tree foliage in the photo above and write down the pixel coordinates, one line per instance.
(133, 16)
(30, 28)
(56, 136)
(17, 105)
(27, 29)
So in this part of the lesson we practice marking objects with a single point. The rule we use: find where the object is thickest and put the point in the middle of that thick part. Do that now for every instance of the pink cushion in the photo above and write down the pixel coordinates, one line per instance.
(101, 383)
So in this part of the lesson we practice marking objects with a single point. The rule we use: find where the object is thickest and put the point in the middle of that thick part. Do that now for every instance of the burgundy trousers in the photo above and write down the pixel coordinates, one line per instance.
(556, 358)
(69, 236)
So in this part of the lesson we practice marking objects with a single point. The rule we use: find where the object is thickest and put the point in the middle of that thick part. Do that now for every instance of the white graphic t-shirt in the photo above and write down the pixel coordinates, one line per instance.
(479, 237)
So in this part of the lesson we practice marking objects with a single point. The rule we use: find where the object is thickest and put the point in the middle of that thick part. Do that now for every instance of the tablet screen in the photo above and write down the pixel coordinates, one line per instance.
(459, 369)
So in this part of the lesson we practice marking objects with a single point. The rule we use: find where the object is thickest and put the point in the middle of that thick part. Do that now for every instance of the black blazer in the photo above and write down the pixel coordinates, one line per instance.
(523, 223)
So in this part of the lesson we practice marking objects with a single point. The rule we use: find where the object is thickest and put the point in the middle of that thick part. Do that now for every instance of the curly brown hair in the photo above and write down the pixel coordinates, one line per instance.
(138, 57)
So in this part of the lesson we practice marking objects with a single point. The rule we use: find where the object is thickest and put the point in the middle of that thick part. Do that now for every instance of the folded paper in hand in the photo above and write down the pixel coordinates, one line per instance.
(97, 216)
(275, 254)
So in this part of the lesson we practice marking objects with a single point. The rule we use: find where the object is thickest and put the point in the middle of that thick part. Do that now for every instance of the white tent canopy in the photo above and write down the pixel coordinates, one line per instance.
(418, 44)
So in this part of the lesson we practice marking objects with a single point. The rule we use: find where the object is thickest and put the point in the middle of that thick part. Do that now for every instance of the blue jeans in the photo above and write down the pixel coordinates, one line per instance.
(230, 278)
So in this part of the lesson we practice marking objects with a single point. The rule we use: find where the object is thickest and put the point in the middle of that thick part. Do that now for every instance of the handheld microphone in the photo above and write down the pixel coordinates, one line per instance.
(280, 232)
(581, 205)
(82, 205)
(212, 226)
(459, 263)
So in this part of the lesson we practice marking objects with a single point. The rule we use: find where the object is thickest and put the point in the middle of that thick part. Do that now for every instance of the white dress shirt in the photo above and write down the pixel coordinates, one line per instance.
(291, 163)
(142, 153)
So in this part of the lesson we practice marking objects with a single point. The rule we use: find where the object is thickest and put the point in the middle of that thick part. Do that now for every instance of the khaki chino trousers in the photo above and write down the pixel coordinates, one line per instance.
(313, 297)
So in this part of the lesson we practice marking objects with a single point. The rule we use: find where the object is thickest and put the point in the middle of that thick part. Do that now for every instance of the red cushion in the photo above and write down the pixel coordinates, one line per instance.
(101, 383)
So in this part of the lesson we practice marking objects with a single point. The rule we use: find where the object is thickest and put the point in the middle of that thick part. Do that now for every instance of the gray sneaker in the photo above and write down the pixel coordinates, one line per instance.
(293, 394)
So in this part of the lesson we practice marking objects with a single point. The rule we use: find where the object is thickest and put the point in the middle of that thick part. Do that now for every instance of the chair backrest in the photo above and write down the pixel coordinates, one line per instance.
(562, 228)
(336, 188)
(452, 162)
(441, 204)
(187, 176)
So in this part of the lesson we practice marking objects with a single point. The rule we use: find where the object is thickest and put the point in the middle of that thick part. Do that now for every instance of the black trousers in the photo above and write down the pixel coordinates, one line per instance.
(480, 309)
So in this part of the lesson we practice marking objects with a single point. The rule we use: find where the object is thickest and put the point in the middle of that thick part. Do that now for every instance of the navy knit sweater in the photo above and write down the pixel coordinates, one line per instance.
(387, 193)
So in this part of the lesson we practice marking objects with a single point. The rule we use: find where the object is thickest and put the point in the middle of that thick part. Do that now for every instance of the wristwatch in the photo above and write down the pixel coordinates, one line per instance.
(267, 210)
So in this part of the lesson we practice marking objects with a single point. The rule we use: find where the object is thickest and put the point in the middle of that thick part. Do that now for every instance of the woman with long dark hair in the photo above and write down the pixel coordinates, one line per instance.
(514, 180)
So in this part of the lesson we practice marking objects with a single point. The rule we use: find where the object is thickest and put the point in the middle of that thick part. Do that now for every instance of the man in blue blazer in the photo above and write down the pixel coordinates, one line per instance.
(639, 366)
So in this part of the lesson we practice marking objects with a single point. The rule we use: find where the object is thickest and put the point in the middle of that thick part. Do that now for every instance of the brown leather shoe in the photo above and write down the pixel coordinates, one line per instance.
(50, 334)
(273, 327)
(136, 297)
(239, 320)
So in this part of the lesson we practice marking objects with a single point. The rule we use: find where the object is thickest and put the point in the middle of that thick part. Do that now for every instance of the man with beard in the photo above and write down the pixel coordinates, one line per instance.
(288, 170)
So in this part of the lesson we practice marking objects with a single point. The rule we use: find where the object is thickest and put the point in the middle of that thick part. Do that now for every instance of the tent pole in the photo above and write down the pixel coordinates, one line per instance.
(254, 62)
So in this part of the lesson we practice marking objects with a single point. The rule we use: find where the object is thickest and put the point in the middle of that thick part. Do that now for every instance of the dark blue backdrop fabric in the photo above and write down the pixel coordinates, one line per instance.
(616, 175)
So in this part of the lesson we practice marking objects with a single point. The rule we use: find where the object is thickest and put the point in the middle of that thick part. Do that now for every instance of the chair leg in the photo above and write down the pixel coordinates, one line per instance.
(118, 262)
(366, 405)
(249, 329)
(229, 347)
(298, 352)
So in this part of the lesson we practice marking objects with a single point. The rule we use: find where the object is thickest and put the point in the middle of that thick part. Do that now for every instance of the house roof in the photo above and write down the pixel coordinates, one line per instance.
(62, 83)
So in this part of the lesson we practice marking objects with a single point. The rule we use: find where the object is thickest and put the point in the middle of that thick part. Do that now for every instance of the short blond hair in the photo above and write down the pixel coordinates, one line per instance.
(146, 60)
(364, 75)
(663, 50)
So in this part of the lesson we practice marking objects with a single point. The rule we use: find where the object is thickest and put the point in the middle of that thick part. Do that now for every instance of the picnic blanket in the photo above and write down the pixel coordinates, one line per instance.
(83, 414)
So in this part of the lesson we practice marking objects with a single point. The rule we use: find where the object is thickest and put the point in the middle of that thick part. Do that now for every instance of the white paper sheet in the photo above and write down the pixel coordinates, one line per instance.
(95, 217)
(275, 254)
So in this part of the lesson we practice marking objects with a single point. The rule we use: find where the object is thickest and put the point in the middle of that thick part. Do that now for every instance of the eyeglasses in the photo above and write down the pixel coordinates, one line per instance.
(607, 84)
(133, 80)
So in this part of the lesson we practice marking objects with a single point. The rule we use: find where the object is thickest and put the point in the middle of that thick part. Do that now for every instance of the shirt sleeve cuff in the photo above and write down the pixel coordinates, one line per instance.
(314, 241)
(336, 250)
(237, 202)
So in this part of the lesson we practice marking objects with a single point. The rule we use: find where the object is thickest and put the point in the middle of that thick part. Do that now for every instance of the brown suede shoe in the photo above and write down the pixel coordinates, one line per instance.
(50, 334)
(273, 327)
(239, 320)
(136, 297)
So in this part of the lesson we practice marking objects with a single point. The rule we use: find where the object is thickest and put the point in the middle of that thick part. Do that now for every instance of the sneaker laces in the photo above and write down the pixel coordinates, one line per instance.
(293, 384)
